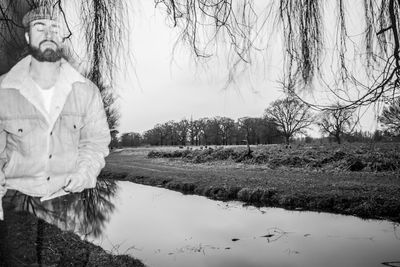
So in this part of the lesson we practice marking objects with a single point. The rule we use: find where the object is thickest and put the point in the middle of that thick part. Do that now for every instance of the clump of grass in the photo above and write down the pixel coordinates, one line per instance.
(244, 194)
(168, 154)
(351, 157)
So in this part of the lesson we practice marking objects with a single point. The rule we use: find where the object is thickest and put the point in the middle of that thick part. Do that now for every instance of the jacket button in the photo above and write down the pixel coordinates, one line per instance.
(51, 133)
(50, 156)
(48, 178)
(74, 126)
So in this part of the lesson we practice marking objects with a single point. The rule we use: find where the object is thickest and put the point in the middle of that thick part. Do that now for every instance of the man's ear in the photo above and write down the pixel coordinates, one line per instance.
(27, 37)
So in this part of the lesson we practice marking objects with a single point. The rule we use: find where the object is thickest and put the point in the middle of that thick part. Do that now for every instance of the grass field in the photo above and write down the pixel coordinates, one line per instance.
(330, 187)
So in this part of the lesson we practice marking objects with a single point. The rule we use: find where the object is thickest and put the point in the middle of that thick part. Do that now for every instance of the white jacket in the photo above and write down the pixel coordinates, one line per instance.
(40, 150)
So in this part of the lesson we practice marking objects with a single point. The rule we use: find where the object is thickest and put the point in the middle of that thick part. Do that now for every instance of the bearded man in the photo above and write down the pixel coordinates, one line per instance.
(53, 127)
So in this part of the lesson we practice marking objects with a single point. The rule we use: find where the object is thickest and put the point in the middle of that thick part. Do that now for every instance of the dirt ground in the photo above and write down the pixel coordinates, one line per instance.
(364, 194)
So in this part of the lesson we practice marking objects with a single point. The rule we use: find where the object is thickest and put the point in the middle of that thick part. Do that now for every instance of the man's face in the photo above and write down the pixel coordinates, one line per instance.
(45, 40)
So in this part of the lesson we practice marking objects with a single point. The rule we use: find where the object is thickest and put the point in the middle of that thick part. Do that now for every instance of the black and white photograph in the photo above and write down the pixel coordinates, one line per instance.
(200, 133)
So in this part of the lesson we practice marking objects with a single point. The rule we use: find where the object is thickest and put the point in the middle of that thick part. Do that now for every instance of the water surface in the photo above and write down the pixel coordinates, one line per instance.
(165, 228)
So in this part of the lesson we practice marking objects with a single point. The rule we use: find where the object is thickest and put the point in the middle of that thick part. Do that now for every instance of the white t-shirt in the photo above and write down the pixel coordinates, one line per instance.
(47, 96)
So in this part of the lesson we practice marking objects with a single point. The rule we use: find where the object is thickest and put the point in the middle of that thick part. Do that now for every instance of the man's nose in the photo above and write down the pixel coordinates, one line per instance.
(48, 32)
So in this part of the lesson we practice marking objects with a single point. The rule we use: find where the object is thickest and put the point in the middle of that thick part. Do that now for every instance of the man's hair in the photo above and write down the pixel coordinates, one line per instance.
(41, 12)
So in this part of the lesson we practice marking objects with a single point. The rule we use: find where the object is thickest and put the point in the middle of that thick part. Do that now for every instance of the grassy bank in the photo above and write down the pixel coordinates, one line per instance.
(381, 157)
(57, 248)
(363, 193)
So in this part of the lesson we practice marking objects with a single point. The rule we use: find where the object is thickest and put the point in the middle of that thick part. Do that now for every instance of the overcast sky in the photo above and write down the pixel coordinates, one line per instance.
(162, 87)
(167, 87)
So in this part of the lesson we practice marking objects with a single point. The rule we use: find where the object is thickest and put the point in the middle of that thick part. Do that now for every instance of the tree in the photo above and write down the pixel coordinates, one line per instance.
(171, 133)
(303, 26)
(336, 122)
(112, 113)
(243, 29)
(257, 131)
(157, 135)
(131, 139)
(182, 131)
(390, 117)
(206, 131)
(227, 126)
(114, 139)
(290, 115)
(266, 132)
(212, 131)
(152, 137)
(194, 132)
(247, 125)
(104, 32)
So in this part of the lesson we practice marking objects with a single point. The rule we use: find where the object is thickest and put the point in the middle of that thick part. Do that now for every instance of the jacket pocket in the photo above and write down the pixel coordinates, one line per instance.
(18, 127)
(71, 127)
(19, 135)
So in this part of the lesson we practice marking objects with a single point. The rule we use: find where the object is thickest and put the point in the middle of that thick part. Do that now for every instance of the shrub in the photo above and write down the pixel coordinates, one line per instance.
(349, 157)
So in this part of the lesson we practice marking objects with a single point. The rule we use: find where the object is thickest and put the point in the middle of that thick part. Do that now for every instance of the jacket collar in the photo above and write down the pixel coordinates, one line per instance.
(19, 78)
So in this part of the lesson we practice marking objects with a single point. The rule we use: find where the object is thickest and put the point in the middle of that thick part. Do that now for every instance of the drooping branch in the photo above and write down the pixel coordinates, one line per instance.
(103, 25)
(202, 23)
(106, 36)
(303, 25)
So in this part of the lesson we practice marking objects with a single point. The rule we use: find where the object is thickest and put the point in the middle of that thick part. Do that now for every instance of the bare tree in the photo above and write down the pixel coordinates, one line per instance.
(290, 116)
(203, 131)
(241, 26)
(336, 122)
(182, 131)
(248, 126)
(194, 132)
(227, 126)
(155, 136)
(303, 25)
(131, 139)
(390, 117)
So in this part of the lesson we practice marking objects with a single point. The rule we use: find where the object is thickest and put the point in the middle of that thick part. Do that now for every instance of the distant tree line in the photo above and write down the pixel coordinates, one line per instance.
(282, 121)
(207, 131)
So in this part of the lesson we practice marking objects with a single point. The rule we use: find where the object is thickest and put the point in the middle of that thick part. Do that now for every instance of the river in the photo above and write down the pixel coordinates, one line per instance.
(165, 228)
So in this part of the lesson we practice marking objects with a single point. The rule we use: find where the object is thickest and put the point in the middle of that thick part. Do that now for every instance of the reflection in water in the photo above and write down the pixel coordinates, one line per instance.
(23, 238)
(274, 234)
(84, 213)
(395, 229)
(173, 230)
(392, 264)
(169, 229)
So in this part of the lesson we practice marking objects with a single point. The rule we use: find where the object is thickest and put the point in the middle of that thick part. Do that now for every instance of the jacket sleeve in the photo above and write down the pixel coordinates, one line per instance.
(2, 162)
(93, 144)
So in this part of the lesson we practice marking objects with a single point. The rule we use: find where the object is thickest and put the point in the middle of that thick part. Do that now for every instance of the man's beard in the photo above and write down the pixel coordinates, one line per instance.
(48, 55)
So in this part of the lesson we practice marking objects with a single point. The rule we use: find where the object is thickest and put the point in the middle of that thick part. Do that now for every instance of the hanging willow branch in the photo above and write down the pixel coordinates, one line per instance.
(104, 29)
(302, 25)
(106, 32)
(240, 25)
(204, 23)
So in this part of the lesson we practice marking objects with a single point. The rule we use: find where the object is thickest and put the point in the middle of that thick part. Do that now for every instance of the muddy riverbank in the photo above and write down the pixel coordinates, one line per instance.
(364, 194)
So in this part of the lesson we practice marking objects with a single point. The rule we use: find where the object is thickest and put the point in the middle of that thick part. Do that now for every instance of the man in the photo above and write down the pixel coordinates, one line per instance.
(53, 128)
